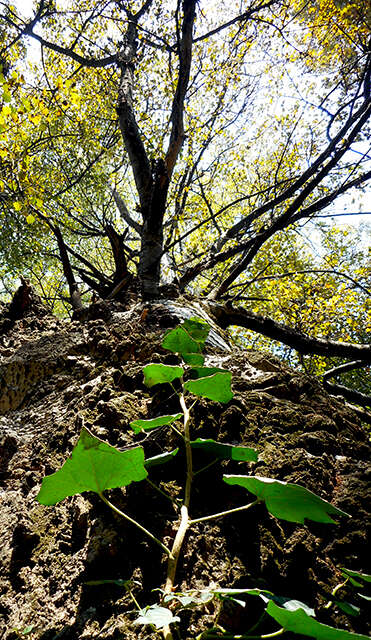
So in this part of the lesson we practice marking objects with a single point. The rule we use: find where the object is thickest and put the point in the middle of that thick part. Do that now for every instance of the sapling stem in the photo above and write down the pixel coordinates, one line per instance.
(184, 517)
(334, 591)
(139, 526)
(221, 514)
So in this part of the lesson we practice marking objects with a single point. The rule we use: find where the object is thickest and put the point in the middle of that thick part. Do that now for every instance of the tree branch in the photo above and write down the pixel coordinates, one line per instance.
(227, 315)
(185, 60)
(67, 270)
(134, 146)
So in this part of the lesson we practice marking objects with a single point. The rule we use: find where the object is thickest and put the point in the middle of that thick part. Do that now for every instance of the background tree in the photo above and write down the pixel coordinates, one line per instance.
(188, 144)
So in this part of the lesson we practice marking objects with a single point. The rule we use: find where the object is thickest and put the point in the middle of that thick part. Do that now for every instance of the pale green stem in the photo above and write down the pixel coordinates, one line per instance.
(334, 591)
(139, 526)
(223, 513)
(207, 466)
(163, 493)
(135, 601)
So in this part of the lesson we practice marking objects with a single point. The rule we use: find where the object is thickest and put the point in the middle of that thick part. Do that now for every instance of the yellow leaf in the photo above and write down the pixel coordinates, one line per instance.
(30, 219)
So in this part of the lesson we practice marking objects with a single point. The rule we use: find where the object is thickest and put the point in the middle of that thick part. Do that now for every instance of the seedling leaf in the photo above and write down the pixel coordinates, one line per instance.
(153, 423)
(93, 466)
(286, 603)
(225, 451)
(216, 387)
(287, 501)
(178, 340)
(300, 622)
(158, 616)
(205, 372)
(160, 373)
(160, 459)
(191, 598)
(348, 608)
(357, 575)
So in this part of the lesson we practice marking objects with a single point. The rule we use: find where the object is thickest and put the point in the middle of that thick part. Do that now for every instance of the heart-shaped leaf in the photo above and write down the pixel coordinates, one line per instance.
(93, 466)
(225, 451)
(153, 423)
(160, 373)
(300, 622)
(216, 387)
(287, 501)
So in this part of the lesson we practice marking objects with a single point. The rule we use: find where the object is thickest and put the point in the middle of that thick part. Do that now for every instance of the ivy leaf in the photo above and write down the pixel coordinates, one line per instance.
(300, 622)
(156, 615)
(225, 451)
(160, 373)
(216, 387)
(93, 466)
(153, 423)
(287, 501)
(160, 459)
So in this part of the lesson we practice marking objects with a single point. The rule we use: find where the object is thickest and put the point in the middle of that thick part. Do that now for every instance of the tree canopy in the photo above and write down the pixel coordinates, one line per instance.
(161, 148)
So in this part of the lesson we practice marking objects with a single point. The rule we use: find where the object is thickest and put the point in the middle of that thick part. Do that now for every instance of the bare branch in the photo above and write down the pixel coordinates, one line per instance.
(349, 394)
(124, 212)
(344, 368)
(85, 62)
(241, 18)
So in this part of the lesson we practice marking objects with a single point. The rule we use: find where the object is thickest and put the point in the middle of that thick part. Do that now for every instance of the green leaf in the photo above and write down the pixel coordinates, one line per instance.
(347, 607)
(93, 466)
(187, 339)
(286, 603)
(156, 615)
(300, 622)
(160, 459)
(153, 423)
(356, 574)
(160, 373)
(178, 340)
(287, 501)
(197, 328)
(216, 387)
(205, 372)
(225, 451)
(194, 359)
(192, 598)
